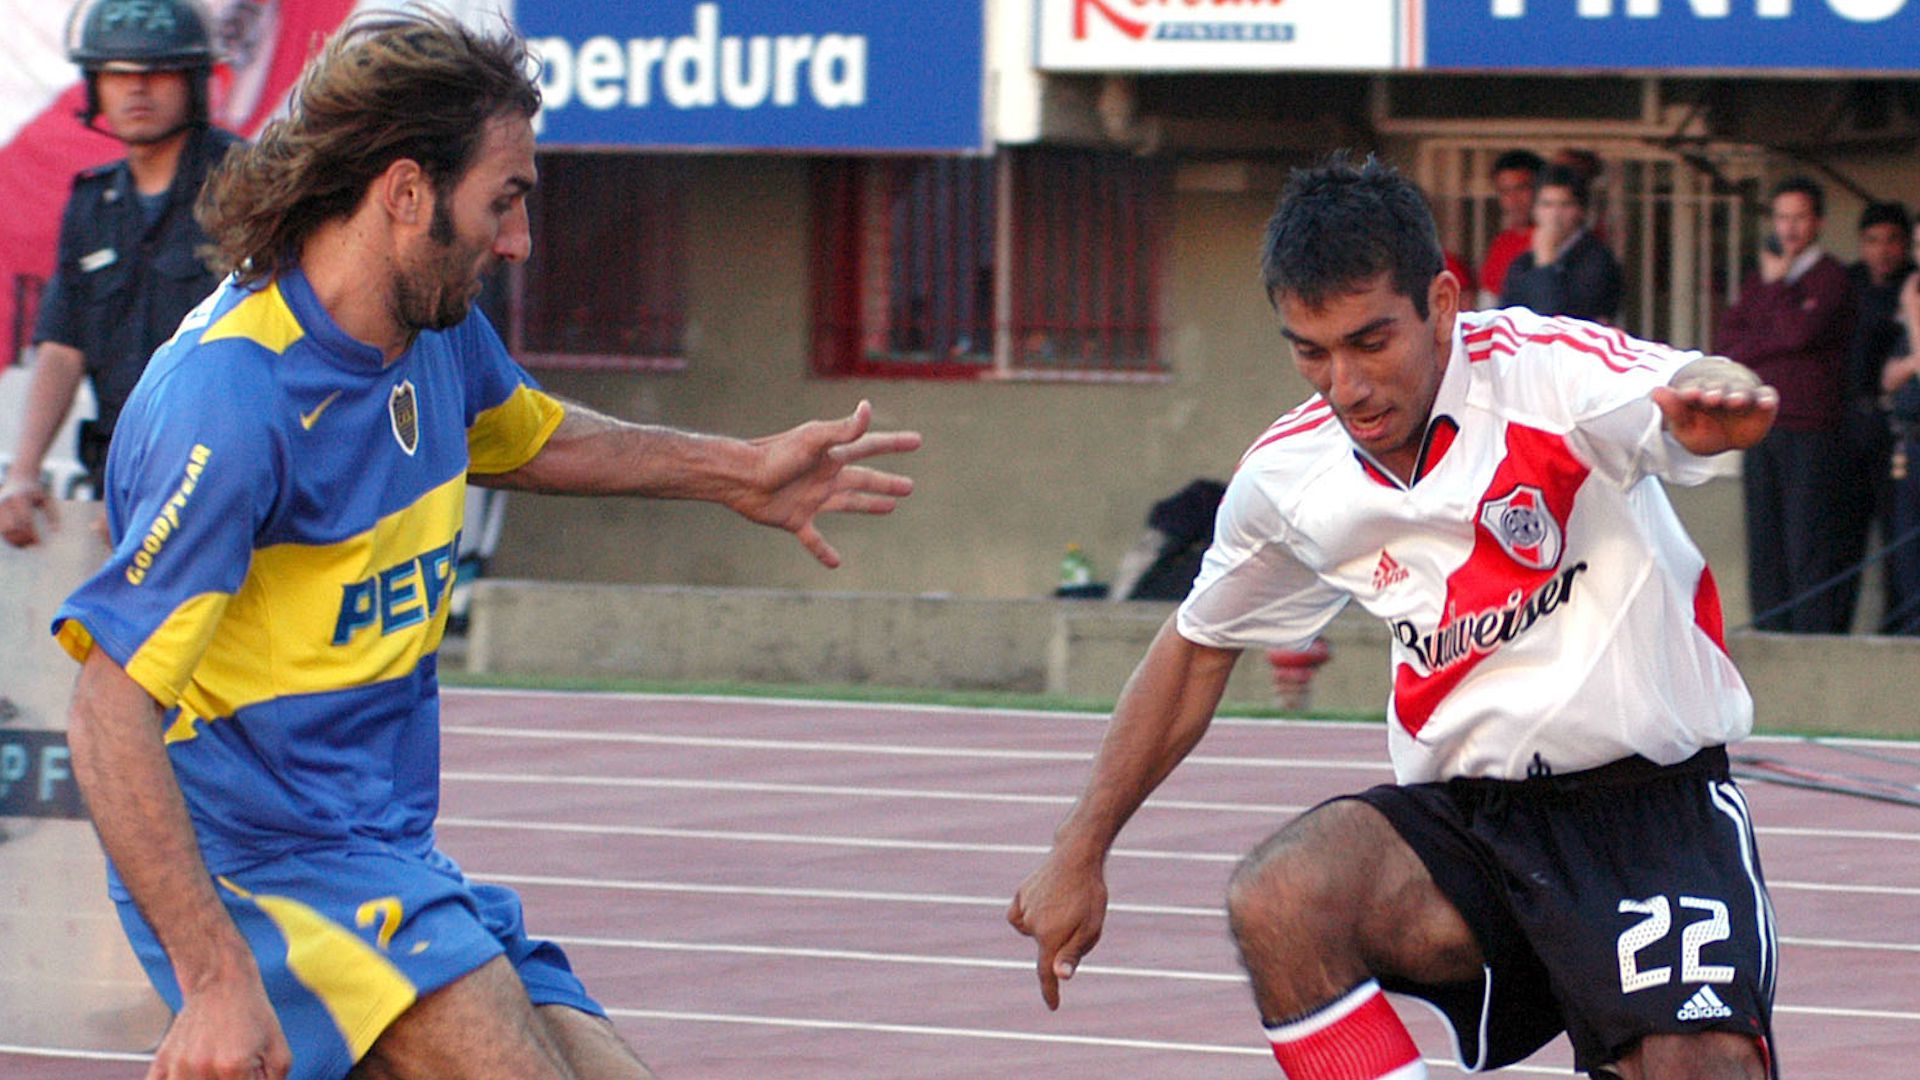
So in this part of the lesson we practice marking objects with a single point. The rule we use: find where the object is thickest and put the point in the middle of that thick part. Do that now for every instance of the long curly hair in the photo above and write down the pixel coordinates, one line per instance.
(416, 85)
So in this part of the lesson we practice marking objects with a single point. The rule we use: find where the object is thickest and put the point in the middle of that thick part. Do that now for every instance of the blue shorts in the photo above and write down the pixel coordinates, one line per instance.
(348, 940)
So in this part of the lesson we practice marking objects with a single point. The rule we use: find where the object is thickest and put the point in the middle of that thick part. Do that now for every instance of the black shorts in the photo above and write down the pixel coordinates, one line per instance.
(1614, 903)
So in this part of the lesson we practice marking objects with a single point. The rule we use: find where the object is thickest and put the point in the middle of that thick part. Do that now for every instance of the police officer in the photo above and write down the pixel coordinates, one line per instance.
(128, 265)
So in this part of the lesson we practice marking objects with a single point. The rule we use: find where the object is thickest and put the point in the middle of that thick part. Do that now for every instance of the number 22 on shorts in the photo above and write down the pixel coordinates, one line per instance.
(1659, 920)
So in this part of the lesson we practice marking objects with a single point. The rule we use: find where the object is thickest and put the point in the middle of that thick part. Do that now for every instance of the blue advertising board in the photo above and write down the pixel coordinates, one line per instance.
(1857, 35)
(760, 74)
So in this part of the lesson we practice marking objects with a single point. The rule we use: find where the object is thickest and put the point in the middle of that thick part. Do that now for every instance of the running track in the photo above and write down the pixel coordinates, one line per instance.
(760, 888)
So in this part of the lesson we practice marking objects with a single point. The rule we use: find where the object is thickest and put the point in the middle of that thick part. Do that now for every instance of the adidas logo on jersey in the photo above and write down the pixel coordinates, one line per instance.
(1388, 572)
(1704, 1005)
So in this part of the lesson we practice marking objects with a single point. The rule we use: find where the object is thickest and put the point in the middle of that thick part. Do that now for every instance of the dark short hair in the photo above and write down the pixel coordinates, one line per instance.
(1340, 225)
(1563, 176)
(1519, 159)
(1800, 185)
(1886, 213)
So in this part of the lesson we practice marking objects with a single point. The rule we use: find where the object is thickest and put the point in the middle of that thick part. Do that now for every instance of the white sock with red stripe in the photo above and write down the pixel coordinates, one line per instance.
(1358, 1037)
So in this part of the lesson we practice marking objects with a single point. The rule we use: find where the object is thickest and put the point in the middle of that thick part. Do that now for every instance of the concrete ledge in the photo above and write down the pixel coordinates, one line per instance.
(1080, 649)
(754, 635)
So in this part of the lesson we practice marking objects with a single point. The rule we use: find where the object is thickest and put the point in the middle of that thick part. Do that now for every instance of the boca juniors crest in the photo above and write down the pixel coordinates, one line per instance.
(403, 408)
(1525, 528)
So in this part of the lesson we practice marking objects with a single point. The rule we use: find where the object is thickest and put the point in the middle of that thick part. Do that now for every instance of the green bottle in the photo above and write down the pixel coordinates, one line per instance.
(1076, 570)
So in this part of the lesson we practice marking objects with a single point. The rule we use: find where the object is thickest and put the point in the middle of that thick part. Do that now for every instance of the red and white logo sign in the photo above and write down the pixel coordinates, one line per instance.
(1220, 35)
(1524, 527)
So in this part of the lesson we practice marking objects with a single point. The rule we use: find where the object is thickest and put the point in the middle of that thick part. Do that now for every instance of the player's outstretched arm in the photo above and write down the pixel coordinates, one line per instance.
(785, 480)
(226, 1027)
(1163, 711)
(1714, 404)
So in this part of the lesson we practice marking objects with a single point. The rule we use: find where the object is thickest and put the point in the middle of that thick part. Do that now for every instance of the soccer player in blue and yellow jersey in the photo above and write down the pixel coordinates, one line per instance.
(256, 721)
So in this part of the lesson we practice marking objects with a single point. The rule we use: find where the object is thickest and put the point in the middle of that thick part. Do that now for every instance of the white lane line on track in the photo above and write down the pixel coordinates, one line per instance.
(996, 902)
(1022, 965)
(738, 836)
(1836, 834)
(936, 795)
(789, 892)
(1364, 727)
(847, 791)
(1359, 726)
(1830, 887)
(810, 746)
(861, 956)
(967, 847)
(944, 1032)
(810, 1023)
(1026, 966)
(1836, 943)
(81, 1055)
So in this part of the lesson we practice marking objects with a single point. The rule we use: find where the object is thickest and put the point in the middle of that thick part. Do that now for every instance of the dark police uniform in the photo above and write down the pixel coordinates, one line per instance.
(126, 275)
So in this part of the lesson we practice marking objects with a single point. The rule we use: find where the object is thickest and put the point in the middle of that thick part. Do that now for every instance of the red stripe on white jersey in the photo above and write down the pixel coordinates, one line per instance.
(1303, 419)
(1499, 337)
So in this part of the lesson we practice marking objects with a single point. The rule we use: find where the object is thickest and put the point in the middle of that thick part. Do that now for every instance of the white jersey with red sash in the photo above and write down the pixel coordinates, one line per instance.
(1547, 610)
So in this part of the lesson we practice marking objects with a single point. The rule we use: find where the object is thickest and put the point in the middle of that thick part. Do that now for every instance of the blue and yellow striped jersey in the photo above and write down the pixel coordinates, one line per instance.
(285, 507)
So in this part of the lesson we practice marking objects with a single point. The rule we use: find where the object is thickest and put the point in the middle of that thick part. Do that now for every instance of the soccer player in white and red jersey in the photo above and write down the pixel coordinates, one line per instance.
(1564, 849)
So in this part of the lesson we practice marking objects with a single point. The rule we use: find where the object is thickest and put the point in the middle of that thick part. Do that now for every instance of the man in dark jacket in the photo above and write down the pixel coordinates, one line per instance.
(1792, 326)
(128, 266)
(1567, 270)
(1878, 336)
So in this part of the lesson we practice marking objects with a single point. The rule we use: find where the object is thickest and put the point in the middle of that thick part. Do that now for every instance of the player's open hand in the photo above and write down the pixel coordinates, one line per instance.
(809, 470)
(1713, 405)
(1062, 907)
(227, 1031)
(20, 502)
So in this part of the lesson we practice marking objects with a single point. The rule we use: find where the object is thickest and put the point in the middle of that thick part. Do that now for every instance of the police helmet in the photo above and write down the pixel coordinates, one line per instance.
(140, 35)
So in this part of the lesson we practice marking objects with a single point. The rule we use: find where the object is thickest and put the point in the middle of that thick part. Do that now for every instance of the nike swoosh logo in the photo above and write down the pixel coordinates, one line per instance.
(307, 420)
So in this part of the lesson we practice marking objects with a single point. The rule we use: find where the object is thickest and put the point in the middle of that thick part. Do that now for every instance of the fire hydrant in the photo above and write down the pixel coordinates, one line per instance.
(1293, 671)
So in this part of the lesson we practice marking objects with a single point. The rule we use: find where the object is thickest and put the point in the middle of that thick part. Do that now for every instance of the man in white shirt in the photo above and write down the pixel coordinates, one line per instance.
(1564, 849)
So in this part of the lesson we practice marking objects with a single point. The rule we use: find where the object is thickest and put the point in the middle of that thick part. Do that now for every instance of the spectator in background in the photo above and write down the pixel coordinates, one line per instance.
(1877, 337)
(1900, 382)
(1792, 326)
(1514, 173)
(1567, 270)
(128, 266)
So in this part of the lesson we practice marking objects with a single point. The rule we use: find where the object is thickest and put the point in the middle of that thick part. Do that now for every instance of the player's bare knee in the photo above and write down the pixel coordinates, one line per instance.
(1304, 872)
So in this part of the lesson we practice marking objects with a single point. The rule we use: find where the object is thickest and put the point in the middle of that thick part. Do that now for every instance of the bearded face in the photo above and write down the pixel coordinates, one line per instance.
(443, 276)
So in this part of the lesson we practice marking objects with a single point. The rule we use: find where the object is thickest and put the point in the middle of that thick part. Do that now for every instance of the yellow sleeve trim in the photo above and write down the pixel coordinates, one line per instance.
(513, 432)
(165, 662)
(74, 637)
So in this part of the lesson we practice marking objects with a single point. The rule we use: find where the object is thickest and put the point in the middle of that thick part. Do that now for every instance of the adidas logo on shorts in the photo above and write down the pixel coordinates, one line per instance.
(1704, 1005)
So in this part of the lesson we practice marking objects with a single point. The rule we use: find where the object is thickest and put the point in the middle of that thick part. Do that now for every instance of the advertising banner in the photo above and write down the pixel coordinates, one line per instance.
(1673, 35)
(1225, 35)
(760, 74)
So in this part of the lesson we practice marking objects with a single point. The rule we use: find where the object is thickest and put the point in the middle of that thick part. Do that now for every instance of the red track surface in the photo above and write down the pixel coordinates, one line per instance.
(790, 889)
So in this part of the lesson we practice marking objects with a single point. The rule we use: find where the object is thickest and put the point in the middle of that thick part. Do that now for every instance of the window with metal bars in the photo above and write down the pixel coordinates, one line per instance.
(908, 282)
(1088, 238)
(606, 285)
